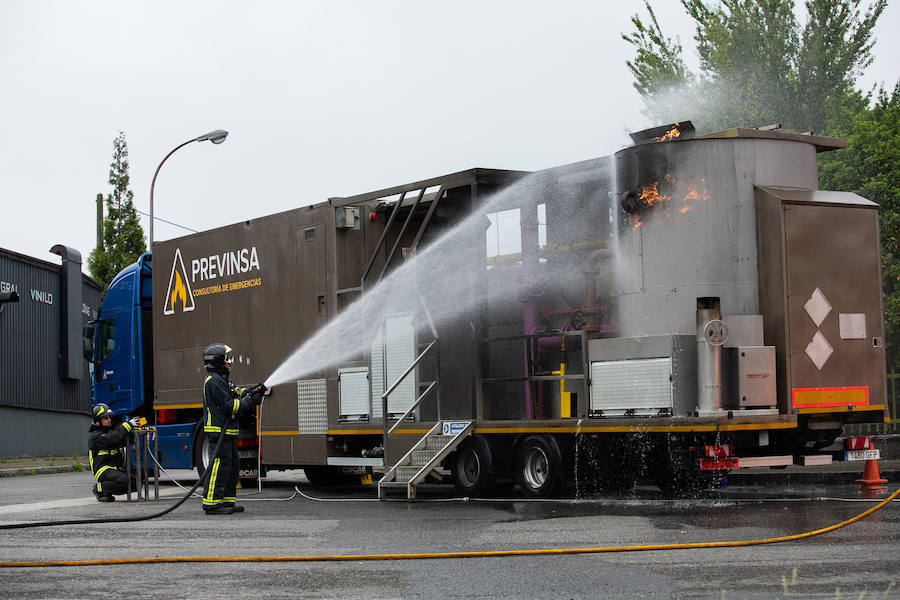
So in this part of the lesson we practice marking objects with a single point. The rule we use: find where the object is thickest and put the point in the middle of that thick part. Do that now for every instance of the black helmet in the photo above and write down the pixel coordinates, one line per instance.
(99, 411)
(218, 356)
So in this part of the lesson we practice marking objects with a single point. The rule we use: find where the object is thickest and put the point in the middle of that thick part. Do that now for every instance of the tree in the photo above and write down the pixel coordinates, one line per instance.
(757, 66)
(870, 166)
(123, 238)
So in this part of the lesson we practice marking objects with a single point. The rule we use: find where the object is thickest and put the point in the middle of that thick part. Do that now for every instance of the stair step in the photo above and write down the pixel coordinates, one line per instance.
(421, 457)
(431, 446)
(436, 442)
(407, 473)
(392, 484)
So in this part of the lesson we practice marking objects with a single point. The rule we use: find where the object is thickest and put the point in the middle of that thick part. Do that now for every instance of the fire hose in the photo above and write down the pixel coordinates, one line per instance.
(156, 515)
(436, 555)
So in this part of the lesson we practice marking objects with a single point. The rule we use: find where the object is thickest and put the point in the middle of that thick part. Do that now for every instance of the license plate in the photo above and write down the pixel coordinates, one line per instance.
(718, 464)
(862, 454)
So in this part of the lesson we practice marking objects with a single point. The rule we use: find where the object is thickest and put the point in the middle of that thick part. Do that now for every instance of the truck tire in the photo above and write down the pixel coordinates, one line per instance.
(323, 475)
(472, 466)
(539, 466)
(201, 452)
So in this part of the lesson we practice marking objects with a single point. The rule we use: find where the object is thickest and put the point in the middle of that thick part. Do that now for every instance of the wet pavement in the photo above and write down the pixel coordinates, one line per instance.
(283, 520)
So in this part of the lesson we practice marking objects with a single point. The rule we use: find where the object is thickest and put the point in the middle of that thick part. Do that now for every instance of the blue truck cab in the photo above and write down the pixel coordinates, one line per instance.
(119, 344)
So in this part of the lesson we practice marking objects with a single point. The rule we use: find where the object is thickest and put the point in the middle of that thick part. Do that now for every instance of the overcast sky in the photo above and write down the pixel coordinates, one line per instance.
(320, 99)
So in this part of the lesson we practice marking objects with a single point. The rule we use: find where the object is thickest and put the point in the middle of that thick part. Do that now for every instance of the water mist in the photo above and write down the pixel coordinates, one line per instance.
(425, 278)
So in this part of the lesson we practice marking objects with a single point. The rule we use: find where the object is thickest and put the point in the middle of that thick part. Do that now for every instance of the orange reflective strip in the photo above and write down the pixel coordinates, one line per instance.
(830, 396)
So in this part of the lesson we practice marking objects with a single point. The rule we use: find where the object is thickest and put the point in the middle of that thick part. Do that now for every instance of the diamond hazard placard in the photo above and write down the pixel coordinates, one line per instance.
(817, 307)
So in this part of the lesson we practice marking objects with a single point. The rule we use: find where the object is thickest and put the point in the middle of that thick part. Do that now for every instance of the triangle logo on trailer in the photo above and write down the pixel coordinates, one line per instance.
(179, 290)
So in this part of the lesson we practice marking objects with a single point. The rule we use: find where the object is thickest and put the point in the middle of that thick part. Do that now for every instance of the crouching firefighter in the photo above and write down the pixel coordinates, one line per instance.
(107, 445)
(223, 403)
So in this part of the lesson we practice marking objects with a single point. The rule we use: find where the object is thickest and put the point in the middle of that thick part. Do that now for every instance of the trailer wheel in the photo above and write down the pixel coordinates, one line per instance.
(539, 466)
(472, 466)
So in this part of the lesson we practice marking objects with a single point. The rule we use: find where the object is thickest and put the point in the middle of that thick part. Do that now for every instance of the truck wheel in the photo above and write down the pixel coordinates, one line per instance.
(201, 452)
(323, 475)
(472, 466)
(539, 466)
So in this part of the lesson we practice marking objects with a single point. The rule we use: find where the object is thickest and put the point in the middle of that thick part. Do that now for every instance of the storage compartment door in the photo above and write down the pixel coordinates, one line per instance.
(631, 387)
(393, 351)
(353, 386)
(834, 306)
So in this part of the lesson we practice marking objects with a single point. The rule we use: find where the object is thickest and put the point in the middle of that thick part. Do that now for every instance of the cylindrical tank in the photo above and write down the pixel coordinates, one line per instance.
(686, 226)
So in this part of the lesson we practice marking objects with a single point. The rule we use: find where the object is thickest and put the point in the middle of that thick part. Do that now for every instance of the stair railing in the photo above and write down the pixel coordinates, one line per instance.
(384, 400)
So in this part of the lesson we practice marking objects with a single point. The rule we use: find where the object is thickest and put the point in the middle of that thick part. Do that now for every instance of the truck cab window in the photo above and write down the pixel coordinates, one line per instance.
(106, 338)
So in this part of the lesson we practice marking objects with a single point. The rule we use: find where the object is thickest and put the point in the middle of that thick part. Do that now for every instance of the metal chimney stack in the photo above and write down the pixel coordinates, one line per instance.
(711, 334)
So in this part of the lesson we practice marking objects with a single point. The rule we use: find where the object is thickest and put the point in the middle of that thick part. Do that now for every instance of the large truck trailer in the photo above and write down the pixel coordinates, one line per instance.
(685, 307)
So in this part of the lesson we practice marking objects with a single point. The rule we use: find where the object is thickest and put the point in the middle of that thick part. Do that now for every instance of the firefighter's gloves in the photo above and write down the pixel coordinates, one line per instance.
(257, 392)
(135, 422)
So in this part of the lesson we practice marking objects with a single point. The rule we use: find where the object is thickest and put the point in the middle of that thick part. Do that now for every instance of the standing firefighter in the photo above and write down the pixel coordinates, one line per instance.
(107, 444)
(223, 403)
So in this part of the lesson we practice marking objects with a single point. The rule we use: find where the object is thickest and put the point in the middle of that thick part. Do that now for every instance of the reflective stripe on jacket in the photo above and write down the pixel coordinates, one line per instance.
(222, 402)
(106, 445)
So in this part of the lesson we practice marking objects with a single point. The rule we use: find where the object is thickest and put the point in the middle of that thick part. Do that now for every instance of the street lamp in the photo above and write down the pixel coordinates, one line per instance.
(216, 137)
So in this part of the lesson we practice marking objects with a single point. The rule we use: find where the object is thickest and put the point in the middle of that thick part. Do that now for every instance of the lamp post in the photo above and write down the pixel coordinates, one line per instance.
(216, 137)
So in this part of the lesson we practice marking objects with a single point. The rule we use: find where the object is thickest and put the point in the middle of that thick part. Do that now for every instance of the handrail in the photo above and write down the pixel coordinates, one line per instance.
(414, 406)
(389, 472)
(402, 377)
(384, 399)
(574, 377)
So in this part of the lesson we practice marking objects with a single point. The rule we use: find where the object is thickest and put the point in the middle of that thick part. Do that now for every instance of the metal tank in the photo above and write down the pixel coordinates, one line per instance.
(686, 220)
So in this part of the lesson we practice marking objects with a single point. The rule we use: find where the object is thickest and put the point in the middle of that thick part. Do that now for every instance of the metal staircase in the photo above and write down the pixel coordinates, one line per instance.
(425, 457)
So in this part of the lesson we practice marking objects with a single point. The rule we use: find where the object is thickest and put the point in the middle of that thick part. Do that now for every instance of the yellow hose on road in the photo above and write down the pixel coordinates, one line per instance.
(432, 555)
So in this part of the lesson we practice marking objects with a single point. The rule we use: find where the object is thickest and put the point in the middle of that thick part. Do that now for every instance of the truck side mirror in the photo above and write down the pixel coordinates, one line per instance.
(87, 341)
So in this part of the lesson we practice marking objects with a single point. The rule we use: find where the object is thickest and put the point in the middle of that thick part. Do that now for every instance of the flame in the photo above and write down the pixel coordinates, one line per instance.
(650, 194)
(692, 196)
(178, 291)
(669, 135)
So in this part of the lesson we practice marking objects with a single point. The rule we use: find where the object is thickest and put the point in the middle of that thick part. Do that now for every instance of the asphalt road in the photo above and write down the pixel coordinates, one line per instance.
(862, 557)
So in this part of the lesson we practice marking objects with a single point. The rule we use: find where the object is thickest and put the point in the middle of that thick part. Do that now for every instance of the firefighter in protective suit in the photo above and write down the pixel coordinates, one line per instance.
(223, 403)
(107, 445)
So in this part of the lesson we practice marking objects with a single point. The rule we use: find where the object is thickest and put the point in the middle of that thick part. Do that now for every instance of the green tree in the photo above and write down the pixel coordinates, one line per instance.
(757, 65)
(123, 238)
(870, 166)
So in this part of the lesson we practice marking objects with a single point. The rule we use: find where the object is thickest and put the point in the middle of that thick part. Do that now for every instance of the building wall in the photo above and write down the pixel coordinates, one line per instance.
(29, 432)
(42, 411)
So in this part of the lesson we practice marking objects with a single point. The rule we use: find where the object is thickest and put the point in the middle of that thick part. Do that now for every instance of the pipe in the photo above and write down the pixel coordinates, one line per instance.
(591, 311)
(530, 310)
(709, 355)
(71, 359)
